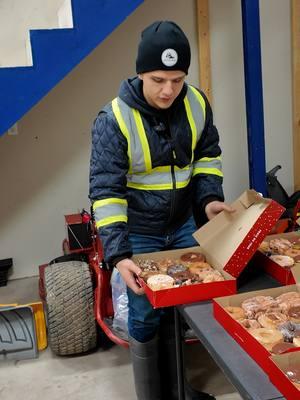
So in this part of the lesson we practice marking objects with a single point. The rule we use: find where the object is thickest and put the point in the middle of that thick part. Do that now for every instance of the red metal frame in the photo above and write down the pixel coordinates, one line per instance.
(103, 307)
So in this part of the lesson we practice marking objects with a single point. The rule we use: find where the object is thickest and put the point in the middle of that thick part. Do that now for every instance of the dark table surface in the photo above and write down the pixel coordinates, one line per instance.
(248, 378)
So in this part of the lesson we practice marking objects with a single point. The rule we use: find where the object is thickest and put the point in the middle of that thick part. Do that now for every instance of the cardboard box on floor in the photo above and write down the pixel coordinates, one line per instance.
(228, 241)
(281, 274)
(253, 347)
(279, 364)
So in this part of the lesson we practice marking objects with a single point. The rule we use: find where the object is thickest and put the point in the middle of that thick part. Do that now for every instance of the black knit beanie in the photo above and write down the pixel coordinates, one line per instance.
(163, 46)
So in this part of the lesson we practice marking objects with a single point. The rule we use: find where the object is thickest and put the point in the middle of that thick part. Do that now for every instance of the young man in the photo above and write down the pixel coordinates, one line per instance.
(155, 162)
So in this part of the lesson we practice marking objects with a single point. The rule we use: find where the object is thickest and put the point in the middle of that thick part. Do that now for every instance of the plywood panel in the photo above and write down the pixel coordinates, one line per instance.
(204, 47)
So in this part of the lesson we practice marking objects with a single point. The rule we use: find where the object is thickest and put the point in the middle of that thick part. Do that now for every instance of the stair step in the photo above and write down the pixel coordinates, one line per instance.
(17, 21)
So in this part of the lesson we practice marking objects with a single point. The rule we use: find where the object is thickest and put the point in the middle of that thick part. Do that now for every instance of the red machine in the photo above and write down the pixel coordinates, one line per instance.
(76, 291)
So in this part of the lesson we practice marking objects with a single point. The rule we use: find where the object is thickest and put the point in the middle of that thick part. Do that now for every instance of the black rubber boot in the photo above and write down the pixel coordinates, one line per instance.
(167, 363)
(144, 357)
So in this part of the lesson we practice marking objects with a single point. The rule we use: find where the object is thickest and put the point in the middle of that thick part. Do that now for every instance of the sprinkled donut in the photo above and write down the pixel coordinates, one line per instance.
(289, 330)
(160, 281)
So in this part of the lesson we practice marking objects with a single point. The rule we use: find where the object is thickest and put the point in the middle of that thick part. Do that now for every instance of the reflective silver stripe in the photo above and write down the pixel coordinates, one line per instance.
(160, 178)
(197, 105)
(208, 165)
(137, 154)
(109, 211)
(142, 176)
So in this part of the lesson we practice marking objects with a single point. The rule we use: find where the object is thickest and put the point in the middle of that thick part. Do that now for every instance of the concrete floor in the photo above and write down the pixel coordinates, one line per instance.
(105, 374)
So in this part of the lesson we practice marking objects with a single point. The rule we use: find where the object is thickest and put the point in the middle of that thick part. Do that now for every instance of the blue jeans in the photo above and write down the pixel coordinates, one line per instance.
(143, 320)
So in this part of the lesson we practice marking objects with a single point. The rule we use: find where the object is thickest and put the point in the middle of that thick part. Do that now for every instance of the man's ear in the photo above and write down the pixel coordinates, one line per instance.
(140, 76)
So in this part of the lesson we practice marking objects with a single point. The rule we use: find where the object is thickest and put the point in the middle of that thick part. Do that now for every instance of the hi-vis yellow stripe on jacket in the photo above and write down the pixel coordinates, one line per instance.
(141, 175)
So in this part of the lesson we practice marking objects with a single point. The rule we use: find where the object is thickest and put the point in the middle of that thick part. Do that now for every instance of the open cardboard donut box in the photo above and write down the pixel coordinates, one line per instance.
(241, 335)
(281, 274)
(228, 242)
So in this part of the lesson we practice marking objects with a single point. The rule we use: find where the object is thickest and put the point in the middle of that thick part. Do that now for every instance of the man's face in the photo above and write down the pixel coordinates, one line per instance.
(161, 88)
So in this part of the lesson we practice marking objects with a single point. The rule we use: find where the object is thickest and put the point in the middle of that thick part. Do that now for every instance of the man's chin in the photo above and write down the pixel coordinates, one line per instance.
(164, 104)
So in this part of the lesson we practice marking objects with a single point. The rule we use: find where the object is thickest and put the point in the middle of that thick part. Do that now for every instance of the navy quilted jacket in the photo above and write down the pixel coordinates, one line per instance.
(150, 212)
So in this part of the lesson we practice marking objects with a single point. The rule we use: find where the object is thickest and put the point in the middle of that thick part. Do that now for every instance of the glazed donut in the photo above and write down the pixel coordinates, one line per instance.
(294, 313)
(173, 269)
(195, 268)
(296, 341)
(267, 337)
(296, 245)
(270, 320)
(202, 273)
(280, 245)
(250, 323)
(294, 253)
(283, 261)
(264, 247)
(235, 312)
(164, 264)
(214, 276)
(193, 256)
(282, 347)
(160, 281)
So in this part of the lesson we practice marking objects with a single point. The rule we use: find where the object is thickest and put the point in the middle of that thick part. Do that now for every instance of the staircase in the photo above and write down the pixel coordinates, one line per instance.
(55, 44)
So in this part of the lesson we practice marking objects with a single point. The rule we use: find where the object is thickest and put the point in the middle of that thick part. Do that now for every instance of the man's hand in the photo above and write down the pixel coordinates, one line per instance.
(215, 207)
(129, 270)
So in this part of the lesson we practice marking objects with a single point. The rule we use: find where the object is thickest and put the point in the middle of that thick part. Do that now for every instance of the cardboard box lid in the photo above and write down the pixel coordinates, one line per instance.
(230, 239)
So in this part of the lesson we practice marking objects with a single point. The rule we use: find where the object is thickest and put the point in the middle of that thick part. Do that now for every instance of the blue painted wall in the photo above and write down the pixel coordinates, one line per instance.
(56, 52)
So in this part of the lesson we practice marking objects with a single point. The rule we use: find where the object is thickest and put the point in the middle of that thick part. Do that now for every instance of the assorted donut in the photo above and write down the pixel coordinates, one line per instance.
(283, 251)
(167, 273)
(273, 321)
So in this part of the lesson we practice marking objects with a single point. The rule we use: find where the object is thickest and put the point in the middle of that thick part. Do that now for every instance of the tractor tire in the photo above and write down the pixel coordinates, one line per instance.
(70, 308)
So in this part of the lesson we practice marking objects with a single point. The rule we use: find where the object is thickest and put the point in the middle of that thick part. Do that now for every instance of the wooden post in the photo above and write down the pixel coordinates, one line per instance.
(204, 47)
(295, 18)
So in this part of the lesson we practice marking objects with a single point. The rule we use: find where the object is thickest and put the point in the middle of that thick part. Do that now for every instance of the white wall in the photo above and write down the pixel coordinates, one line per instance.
(44, 169)
(277, 86)
(18, 17)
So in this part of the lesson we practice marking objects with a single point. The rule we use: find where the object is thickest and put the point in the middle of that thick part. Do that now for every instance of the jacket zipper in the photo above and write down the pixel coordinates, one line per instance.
(172, 172)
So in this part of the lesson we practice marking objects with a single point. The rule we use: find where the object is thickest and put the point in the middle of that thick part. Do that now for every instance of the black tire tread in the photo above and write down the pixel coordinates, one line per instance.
(70, 308)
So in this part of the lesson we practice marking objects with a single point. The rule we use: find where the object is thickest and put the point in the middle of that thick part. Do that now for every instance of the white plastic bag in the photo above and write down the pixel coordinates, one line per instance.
(120, 301)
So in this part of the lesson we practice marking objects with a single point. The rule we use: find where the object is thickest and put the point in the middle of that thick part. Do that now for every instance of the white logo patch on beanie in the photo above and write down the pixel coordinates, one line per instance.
(169, 57)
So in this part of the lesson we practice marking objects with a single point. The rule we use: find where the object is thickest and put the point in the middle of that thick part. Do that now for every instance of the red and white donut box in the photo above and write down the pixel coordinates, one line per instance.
(241, 335)
(228, 241)
(278, 365)
(281, 274)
